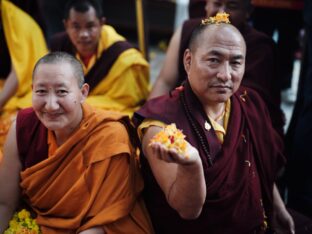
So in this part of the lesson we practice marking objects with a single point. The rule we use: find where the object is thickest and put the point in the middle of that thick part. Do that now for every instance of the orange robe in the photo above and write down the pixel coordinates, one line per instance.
(90, 180)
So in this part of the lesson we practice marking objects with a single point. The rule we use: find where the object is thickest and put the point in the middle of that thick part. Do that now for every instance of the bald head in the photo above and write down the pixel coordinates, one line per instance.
(60, 58)
(204, 33)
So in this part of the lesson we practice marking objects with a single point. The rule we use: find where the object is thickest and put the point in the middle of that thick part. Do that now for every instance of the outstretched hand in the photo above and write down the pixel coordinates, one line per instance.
(283, 222)
(171, 155)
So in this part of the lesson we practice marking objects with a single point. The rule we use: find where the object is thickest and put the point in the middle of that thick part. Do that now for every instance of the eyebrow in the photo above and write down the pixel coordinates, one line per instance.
(218, 53)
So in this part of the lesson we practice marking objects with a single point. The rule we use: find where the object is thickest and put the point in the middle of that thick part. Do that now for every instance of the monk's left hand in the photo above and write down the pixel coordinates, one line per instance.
(94, 230)
(283, 222)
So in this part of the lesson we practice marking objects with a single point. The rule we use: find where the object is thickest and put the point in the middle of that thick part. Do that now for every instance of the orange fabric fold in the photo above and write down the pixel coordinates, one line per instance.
(91, 180)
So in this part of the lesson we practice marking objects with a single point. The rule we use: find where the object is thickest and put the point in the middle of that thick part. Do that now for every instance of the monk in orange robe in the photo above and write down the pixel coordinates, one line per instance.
(73, 165)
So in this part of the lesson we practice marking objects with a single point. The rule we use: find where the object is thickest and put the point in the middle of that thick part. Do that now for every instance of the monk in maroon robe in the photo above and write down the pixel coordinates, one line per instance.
(224, 181)
(261, 68)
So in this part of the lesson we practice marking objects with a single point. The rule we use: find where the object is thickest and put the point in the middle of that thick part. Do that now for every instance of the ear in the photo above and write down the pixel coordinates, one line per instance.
(84, 91)
(187, 60)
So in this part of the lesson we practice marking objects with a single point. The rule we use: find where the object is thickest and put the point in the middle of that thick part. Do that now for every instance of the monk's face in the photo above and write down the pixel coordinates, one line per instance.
(238, 10)
(57, 97)
(215, 65)
(84, 30)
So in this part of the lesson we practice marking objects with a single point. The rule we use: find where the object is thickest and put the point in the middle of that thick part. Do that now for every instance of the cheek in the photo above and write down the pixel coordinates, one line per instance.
(37, 102)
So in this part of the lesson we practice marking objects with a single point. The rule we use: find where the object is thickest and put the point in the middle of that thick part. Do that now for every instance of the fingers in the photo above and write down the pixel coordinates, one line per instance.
(168, 155)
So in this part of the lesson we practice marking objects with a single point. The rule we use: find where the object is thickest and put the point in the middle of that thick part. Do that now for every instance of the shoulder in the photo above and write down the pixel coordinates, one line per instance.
(108, 139)
(252, 103)
(111, 126)
(246, 94)
(160, 108)
(26, 116)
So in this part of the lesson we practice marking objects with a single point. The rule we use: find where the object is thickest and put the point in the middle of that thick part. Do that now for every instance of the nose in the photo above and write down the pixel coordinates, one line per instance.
(52, 103)
(224, 73)
(83, 33)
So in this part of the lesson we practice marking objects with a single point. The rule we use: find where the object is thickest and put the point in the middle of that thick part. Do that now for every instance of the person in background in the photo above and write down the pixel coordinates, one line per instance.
(284, 17)
(73, 165)
(261, 71)
(20, 48)
(116, 72)
(224, 179)
(298, 137)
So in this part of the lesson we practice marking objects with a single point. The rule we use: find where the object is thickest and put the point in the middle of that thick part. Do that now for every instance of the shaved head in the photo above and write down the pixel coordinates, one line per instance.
(200, 34)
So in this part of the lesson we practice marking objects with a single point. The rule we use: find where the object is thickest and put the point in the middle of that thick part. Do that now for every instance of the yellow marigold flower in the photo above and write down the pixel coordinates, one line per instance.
(171, 138)
(23, 214)
(22, 223)
(221, 17)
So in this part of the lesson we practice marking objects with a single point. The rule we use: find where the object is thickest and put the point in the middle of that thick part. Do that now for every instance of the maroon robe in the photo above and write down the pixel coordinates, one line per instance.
(234, 188)
(261, 69)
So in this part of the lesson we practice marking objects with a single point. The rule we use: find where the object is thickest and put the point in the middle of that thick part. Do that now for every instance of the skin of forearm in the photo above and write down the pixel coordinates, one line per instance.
(9, 88)
(161, 87)
(277, 200)
(188, 192)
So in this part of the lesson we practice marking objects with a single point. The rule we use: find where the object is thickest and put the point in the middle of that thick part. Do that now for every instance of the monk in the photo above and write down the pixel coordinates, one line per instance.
(22, 43)
(261, 72)
(224, 181)
(74, 166)
(116, 72)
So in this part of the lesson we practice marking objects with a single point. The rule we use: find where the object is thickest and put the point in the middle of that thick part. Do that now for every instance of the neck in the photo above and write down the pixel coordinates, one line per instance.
(215, 111)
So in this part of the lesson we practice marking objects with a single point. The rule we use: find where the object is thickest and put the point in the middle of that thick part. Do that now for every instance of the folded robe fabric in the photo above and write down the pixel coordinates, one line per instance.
(90, 180)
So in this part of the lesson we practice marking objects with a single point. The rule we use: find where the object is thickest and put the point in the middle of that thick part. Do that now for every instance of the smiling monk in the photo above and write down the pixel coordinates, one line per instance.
(73, 165)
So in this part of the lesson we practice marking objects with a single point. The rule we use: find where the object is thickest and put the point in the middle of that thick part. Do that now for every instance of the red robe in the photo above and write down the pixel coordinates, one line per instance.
(234, 187)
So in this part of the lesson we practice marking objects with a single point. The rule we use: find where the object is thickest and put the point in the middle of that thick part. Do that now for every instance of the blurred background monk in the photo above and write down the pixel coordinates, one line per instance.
(22, 43)
(73, 165)
(116, 72)
(261, 72)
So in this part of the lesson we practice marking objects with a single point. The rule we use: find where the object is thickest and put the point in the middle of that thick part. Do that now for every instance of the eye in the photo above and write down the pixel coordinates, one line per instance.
(236, 64)
(75, 27)
(213, 60)
(62, 92)
(40, 91)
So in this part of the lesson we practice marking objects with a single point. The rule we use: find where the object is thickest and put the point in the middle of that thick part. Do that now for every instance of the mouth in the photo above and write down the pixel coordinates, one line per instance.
(52, 116)
(221, 86)
(84, 43)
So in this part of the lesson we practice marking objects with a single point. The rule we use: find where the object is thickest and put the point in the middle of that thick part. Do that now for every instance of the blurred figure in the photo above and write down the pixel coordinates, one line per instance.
(22, 43)
(285, 17)
(117, 73)
(299, 135)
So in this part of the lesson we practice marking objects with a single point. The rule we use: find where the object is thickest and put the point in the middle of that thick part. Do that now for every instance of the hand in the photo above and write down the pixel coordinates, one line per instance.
(191, 155)
(94, 230)
(283, 222)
